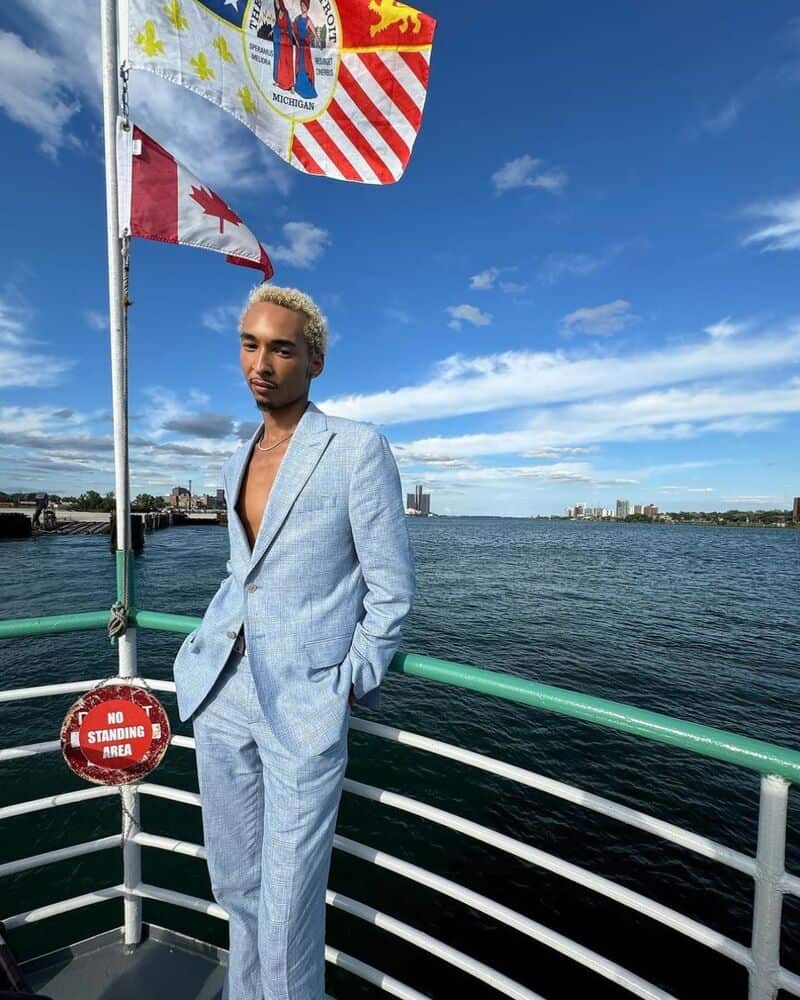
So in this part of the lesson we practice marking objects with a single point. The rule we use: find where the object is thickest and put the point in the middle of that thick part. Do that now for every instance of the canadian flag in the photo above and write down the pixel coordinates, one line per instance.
(159, 199)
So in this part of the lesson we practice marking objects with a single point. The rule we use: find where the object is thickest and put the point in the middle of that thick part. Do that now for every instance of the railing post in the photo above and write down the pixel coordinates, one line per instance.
(768, 904)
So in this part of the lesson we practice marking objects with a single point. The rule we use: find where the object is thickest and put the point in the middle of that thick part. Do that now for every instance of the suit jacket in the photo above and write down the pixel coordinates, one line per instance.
(324, 592)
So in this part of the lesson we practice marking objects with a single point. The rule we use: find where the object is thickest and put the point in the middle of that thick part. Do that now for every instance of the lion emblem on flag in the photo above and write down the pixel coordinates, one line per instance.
(392, 12)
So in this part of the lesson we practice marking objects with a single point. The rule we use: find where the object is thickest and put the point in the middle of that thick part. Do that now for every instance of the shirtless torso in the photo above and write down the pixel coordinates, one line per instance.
(259, 478)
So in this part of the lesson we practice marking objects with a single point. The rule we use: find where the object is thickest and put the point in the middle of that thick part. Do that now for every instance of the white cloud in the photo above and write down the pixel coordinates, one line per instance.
(12, 326)
(725, 328)
(304, 244)
(685, 489)
(30, 420)
(58, 449)
(556, 266)
(526, 171)
(556, 452)
(32, 94)
(602, 320)
(95, 319)
(207, 139)
(396, 315)
(777, 501)
(744, 424)
(558, 472)
(673, 414)
(467, 314)
(21, 366)
(485, 280)
(782, 224)
(724, 119)
(221, 319)
(480, 384)
(513, 287)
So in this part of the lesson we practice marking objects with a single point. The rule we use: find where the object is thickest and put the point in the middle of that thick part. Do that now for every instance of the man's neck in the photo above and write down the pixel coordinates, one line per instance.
(278, 423)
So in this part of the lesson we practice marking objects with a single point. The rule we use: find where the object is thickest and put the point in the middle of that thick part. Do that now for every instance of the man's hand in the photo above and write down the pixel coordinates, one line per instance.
(352, 698)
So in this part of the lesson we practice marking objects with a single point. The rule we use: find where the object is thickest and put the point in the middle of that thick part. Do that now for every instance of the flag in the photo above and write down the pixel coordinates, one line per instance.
(334, 87)
(161, 200)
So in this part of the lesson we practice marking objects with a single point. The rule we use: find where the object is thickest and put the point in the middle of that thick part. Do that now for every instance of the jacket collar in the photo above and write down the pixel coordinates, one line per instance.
(305, 449)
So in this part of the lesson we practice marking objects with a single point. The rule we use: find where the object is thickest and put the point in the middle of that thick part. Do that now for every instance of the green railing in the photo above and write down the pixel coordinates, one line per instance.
(756, 755)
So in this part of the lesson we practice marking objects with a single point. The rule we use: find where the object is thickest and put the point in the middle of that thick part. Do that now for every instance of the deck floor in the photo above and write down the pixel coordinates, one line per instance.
(166, 964)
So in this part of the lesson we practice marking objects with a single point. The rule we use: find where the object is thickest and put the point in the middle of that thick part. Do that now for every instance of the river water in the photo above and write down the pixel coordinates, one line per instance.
(700, 623)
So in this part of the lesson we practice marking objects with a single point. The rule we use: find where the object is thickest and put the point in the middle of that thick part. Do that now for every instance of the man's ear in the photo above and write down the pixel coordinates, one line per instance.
(317, 364)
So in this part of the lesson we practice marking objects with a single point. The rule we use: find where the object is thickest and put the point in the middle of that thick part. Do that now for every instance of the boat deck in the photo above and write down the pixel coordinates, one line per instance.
(165, 964)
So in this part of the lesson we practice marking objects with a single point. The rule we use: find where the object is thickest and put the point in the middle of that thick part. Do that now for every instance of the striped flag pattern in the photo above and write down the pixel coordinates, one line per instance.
(336, 88)
(369, 129)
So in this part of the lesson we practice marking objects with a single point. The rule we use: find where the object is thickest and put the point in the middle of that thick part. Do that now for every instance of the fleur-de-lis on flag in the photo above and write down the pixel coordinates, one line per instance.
(248, 103)
(175, 15)
(149, 41)
(221, 45)
(201, 67)
(337, 89)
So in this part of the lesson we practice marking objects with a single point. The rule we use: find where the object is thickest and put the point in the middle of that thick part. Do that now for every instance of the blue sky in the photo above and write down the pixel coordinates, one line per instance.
(585, 287)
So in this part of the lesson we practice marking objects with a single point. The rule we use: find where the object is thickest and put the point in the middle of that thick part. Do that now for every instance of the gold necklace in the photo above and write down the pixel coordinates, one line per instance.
(274, 445)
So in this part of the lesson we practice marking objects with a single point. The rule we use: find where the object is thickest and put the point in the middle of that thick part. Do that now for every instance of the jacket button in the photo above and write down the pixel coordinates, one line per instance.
(231, 635)
(251, 587)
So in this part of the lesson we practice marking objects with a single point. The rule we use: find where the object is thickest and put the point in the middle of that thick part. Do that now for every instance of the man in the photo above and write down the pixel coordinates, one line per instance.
(42, 501)
(321, 578)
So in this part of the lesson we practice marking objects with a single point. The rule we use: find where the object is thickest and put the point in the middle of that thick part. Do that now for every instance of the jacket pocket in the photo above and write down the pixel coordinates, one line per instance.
(327, 652)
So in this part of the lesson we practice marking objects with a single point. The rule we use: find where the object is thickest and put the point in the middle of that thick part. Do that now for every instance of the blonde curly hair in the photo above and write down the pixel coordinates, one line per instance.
(316, 328)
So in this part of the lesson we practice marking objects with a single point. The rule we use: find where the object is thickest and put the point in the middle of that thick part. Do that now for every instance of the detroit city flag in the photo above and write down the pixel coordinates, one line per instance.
(335, 87)
(161, 200)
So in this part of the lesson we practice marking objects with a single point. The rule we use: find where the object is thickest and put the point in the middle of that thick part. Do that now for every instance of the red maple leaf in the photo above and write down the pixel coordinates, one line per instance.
(212, 204)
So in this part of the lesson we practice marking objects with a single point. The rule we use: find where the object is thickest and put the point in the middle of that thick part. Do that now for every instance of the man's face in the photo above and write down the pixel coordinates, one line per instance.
(274, 355)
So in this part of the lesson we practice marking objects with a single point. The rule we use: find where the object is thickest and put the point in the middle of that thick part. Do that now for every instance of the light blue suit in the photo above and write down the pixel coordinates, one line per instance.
(322, 598)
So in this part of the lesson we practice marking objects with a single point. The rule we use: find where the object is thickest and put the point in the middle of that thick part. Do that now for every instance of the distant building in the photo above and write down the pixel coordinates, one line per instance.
(179, 498)
(418, 503)
(623, 509)
(638, 509)
(651, 511)
(221, 499)
(796, 510)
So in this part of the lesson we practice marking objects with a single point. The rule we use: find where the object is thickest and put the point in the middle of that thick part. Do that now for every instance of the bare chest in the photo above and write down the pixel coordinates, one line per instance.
(259, 478)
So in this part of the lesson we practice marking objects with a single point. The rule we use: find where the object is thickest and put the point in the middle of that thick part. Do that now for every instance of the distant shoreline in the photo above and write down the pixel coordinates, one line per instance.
(567, 520)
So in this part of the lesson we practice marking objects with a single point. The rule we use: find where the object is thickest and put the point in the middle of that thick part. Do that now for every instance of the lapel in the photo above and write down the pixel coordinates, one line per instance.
(304, 451)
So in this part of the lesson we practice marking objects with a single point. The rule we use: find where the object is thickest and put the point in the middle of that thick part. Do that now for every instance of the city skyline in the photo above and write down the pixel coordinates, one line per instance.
(418, 502)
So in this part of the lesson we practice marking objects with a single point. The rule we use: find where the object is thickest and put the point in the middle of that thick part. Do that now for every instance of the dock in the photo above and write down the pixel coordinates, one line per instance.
(19, 523)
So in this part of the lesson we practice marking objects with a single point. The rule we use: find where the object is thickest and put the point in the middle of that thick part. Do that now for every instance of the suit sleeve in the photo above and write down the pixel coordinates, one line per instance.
(383, 548)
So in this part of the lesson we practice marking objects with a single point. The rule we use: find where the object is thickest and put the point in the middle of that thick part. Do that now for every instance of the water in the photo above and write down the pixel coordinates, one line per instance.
(699, 623)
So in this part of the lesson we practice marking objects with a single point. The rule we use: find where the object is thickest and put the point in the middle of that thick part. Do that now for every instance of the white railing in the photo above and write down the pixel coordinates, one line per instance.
(767, 869)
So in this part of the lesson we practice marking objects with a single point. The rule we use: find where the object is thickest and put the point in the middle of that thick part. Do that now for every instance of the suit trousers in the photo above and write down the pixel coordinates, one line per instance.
(268, 822)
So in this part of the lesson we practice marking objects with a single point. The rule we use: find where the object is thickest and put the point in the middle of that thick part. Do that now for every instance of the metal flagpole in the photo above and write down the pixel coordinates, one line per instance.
(117, 251)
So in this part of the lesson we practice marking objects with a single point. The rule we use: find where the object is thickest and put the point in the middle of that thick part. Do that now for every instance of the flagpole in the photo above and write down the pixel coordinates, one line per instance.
(117, 316)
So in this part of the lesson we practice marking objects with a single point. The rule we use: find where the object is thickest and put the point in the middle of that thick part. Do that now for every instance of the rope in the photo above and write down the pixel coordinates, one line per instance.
(118, 622)
(124, 73)
(134, 823)
(120, 610)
